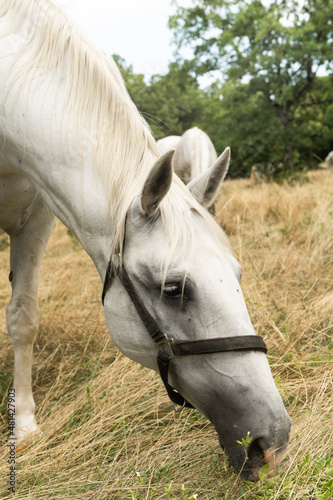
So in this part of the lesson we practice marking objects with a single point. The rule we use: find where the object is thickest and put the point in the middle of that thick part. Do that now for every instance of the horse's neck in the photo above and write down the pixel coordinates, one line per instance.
(38, 147)
(49, 123)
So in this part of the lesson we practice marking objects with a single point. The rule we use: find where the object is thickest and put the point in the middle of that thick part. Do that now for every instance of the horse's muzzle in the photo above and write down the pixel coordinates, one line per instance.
(248, 461)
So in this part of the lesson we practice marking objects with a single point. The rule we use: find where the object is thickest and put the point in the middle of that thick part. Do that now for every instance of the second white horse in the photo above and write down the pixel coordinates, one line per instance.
(195, 152)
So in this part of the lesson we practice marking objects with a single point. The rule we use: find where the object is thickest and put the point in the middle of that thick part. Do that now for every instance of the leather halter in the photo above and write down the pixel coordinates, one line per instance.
(169, 347)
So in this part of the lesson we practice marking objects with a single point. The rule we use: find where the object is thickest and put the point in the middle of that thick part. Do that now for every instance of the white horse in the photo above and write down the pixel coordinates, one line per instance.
(170, 142)
(329, 159)
(195, 153)
(72, 144)
(328, 163)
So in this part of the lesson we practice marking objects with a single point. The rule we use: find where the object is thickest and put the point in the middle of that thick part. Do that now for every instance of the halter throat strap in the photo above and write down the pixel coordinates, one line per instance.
(168, 347)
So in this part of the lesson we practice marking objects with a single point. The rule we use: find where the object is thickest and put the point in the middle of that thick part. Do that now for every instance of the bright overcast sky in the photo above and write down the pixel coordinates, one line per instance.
(137, 30)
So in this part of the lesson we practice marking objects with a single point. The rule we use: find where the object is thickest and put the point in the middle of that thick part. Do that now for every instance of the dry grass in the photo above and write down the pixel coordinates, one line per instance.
(105, 418)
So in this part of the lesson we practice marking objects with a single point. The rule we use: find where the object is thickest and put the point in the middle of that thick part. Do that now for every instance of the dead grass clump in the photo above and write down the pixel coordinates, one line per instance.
(288, 258)
(105, 418)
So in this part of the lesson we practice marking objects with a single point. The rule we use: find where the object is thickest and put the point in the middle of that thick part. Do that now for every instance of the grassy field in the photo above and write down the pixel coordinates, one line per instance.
(109, 431)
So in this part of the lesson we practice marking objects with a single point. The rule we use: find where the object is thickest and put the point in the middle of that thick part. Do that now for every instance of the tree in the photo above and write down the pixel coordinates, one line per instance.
(277, 48)
(237, 117)
(313, 124)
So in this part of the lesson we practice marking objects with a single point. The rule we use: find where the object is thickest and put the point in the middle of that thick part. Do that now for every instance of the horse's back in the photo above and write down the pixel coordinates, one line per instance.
(195, 153)
(168, 143)
(329, 159)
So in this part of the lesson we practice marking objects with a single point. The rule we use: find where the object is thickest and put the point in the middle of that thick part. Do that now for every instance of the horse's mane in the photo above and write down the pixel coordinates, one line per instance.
(98, 108)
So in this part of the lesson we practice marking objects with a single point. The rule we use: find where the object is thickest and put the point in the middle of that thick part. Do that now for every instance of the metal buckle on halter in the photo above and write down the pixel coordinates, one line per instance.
(167, 341)
(180, 407)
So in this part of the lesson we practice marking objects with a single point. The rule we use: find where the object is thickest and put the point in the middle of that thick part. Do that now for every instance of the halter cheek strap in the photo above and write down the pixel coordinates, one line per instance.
(168, 347)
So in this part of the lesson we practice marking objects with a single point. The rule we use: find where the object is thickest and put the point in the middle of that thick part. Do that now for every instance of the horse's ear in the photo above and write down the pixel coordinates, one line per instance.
(157, 183)
(207, 185)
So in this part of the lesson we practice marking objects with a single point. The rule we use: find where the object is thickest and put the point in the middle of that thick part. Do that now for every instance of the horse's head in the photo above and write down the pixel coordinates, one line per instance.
(184, 273)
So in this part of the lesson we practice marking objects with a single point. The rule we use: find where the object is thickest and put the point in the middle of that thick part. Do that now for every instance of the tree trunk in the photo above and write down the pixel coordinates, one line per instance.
(288, 155)
(287, 119)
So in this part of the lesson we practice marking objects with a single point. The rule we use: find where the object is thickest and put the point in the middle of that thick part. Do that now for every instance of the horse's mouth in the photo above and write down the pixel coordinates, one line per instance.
(254, 458)
(271, 458)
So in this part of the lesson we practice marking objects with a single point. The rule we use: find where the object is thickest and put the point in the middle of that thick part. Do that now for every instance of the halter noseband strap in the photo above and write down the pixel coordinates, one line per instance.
(168, 347)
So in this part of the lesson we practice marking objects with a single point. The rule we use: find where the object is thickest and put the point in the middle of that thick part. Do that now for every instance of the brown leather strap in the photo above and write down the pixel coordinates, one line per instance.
(149, 322)
(163, 360)
(219, 344)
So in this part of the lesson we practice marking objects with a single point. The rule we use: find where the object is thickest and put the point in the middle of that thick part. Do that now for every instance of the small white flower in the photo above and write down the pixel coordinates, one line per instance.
(138, 474)
(195, 496)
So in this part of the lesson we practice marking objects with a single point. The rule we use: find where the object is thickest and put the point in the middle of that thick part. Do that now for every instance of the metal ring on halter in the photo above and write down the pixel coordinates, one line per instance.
(181, 406)
(166, 342)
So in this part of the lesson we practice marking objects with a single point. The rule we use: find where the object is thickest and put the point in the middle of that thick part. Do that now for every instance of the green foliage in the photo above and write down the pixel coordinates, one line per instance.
(317, 486)
(233, 114)
(245, 123)
(169, 490)
(278, 44)
(317, 470)
(246, 442)
(270, 106)
(277, 48)
(170, 103)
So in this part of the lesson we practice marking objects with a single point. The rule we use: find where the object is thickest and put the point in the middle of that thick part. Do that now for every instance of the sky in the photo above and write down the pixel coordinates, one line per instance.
(137, 30)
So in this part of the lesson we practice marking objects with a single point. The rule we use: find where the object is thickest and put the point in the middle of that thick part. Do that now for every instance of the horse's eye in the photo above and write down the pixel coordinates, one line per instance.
(172, 290)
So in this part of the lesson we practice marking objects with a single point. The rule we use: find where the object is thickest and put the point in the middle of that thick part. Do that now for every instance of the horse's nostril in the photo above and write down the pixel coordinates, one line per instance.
(255, 460)
(256, 454)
